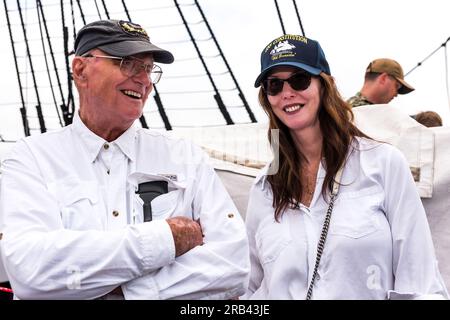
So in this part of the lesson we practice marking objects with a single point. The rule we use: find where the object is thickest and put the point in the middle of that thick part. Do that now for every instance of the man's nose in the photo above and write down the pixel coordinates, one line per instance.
(143, 76)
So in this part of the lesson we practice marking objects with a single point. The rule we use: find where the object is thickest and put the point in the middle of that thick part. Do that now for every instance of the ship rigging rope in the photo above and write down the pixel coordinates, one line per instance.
(23, 109)
(98, 11)
(73, 16)
(298, 17)
(106, 9)
(446, 76)
(195, 75)
(30, 61)
(429, 56)
(126, 10)
(279, 16)
(296, 12)
(444, 45)
(237, 87)
(219, 101)
(75, 13)
(68, 108)
(41, 20)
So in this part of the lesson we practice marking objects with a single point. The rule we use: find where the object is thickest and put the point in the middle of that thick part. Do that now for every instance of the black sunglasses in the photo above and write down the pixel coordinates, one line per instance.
(298, 81)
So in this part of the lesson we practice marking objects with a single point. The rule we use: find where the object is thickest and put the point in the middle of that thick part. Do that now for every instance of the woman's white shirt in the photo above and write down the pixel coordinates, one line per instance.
(379, 244)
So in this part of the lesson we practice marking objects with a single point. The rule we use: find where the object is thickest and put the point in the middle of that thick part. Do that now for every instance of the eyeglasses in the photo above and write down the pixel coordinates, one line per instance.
(131, 66)
(298, 81)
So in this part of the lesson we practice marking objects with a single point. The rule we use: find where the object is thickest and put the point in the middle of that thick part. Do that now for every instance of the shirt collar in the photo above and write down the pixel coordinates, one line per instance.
(126, 142)
(261, 178)
(94, 143)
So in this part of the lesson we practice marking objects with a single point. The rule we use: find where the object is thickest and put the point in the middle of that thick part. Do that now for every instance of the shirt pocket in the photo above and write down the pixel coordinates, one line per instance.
(163, 206)
(78, 203)
(271, 239)
(356, 214)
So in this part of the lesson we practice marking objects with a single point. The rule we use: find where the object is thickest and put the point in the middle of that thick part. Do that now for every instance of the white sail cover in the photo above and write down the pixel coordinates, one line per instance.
(417, 143)
(428, 153)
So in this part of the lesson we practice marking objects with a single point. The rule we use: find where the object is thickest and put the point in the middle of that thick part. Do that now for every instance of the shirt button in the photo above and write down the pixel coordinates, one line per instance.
(106, 146)
(107, 171)
(115, 213)
(230, 215)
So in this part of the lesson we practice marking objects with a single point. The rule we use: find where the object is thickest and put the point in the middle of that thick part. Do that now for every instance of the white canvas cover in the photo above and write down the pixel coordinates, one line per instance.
(389, 124)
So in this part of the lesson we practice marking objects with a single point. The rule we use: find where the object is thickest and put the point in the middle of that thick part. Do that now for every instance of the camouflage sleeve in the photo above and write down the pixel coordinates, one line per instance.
(358, 100)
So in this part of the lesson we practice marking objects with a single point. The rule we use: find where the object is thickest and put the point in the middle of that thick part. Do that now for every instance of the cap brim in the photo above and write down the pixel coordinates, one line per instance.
(309, 69)
(405, 88)
(130, 48)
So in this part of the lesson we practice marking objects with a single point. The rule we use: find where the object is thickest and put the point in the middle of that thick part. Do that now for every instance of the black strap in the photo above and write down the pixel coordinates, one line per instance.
(149, 191)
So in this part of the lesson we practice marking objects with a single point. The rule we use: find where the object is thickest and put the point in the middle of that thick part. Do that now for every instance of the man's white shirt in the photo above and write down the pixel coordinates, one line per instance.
(72, 221)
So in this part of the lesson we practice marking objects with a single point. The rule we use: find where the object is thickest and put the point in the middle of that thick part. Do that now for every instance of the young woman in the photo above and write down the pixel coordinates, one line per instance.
(336, 215)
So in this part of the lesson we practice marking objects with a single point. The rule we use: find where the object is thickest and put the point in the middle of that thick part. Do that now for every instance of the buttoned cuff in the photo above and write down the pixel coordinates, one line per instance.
(157, 245)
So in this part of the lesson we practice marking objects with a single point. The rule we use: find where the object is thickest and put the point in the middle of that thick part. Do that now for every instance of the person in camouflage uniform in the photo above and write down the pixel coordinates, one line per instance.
(383, 80)
(358, 100)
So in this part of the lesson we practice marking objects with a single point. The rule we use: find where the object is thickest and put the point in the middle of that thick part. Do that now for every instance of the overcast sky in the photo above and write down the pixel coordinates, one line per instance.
(351, 32)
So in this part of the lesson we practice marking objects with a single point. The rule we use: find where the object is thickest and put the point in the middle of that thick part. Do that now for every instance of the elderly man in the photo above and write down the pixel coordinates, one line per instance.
(383, 80)
(104, 209)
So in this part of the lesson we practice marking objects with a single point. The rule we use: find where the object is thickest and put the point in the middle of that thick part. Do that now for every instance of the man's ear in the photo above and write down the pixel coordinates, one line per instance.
(383, 77)
(79, 69)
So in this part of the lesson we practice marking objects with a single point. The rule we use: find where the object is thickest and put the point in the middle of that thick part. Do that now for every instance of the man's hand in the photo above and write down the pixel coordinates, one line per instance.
(187, 234)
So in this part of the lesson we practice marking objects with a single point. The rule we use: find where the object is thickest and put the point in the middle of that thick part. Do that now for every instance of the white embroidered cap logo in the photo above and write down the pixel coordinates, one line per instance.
(282, 47)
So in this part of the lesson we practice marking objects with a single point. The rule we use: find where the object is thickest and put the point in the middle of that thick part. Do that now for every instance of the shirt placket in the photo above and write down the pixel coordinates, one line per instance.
(115, 171)
(312, 238)
(313, 227)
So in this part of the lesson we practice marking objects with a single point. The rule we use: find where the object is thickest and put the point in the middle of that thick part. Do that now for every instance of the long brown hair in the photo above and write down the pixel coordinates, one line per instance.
(335, 117)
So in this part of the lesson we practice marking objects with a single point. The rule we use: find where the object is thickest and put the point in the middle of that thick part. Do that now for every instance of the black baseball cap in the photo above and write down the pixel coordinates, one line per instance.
(118, 38)
(296, 51)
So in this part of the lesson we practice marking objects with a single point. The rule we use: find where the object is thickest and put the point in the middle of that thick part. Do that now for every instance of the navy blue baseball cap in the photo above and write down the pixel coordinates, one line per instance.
(118, 38)
(296, 51)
